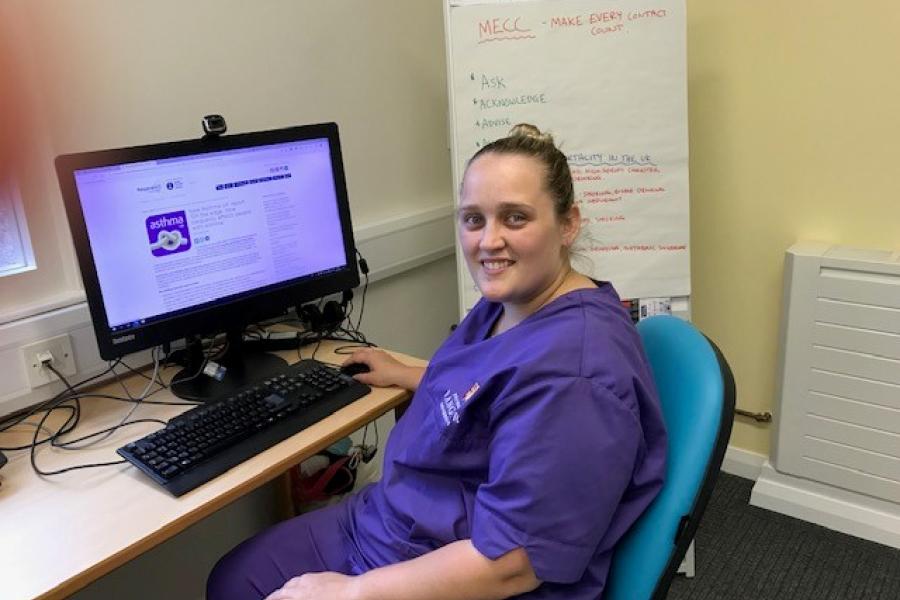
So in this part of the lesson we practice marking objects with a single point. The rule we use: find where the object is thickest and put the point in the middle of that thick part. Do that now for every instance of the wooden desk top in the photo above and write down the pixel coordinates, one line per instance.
(59, 533)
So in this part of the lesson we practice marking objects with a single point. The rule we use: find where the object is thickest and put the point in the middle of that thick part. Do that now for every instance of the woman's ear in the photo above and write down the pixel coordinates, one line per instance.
(571, 225)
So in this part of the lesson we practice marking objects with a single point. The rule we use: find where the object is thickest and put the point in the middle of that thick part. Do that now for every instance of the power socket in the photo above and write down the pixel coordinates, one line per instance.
(60, 347)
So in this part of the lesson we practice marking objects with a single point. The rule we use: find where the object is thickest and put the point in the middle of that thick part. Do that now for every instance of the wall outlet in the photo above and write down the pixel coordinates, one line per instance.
(60, 347)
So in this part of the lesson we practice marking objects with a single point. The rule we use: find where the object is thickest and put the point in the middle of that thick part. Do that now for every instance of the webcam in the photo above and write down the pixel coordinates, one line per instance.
(214, 125)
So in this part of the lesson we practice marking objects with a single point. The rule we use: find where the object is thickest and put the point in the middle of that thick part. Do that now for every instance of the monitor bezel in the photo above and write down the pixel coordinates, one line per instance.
(221, 315)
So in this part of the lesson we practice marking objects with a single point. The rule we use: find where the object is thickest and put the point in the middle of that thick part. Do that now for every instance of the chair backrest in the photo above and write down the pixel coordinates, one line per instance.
(696, 389)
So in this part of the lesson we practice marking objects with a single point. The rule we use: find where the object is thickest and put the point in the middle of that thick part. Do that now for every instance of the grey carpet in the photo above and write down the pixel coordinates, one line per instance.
(747, 553)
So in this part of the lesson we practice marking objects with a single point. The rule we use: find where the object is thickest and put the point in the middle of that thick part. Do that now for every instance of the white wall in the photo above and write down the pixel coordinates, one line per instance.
(111, 73)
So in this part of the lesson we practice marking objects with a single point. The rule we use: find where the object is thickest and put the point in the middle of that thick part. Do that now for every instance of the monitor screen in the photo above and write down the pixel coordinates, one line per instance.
(203, 236)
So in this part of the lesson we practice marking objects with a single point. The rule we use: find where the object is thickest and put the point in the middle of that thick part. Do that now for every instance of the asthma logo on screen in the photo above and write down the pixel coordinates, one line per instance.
(168, 233)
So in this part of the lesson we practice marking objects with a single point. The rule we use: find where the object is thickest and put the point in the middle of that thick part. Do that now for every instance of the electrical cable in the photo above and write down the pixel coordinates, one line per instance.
(11, 421)
(39, 427)
(207, 356)
(60, 402)
(163, 365)
(135, 403)
(364, 269)
(73, 419)
(50, 434)
(42, 473)
(105, 432)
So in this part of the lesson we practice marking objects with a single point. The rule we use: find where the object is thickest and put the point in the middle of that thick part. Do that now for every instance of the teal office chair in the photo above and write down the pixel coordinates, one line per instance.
(696, 390)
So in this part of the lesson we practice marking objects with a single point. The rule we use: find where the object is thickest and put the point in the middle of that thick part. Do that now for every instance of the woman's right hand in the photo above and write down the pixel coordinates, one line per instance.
(385, 370)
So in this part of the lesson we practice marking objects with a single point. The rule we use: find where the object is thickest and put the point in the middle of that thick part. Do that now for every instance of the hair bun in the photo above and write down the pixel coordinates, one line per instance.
(527, 130)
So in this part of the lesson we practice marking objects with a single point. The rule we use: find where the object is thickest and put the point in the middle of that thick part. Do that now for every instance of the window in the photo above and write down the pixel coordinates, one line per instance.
(37, 267)
(16, 255)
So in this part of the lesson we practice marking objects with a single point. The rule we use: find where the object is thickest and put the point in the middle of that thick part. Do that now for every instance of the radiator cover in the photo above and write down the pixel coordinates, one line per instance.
(838, 415)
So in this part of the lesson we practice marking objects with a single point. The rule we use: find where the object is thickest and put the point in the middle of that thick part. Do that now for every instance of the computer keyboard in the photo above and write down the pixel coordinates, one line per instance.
(204, 442)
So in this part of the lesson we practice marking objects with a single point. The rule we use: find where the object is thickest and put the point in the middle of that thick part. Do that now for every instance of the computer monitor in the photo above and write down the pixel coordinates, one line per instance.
(206, 236)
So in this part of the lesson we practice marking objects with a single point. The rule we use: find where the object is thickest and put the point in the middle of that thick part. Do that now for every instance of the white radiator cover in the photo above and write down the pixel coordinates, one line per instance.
(837, 419)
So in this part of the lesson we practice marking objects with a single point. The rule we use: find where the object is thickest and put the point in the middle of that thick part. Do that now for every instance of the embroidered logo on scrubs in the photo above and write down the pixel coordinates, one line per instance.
(475, 387)
(450, 406)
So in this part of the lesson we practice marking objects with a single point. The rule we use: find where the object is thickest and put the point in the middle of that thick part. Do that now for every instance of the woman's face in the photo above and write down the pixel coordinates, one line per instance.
(512, 239)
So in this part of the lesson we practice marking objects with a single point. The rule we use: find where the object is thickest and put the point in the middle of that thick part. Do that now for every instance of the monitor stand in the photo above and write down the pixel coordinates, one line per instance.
(242, 366)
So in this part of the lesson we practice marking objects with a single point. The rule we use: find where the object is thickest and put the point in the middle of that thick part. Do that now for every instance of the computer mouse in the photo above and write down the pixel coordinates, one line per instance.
(352, 369)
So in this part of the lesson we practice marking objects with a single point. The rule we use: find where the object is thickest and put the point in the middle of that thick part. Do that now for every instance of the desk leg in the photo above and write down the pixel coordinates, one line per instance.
(399, 410)
(285, 498)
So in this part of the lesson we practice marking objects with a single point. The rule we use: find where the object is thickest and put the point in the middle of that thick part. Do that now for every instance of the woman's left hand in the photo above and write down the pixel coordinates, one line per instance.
(316, 586)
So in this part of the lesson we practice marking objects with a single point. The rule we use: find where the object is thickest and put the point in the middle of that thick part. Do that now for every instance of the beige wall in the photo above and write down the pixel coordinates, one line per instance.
(794, 134)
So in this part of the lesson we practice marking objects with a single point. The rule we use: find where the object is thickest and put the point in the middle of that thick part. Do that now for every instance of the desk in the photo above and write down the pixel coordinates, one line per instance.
(60, 533)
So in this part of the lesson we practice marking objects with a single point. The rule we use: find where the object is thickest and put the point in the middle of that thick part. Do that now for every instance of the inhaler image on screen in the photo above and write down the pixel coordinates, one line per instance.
(168, 240)
(168, 233)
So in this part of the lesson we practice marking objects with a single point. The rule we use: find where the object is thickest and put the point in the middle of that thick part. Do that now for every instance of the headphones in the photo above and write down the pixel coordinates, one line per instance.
(326, 319)
(333, 313)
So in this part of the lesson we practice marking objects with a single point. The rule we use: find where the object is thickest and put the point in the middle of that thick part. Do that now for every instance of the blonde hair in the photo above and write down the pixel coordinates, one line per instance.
(525, 139)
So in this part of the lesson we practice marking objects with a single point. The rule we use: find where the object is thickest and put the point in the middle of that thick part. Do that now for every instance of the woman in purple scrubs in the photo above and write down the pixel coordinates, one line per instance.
(532, 443)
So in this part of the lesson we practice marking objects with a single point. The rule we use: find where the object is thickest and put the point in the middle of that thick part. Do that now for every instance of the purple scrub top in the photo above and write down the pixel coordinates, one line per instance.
(548, 437)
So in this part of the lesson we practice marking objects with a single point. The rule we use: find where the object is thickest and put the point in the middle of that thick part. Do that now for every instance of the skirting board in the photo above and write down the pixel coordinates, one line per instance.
(743, 463)
(841, 510)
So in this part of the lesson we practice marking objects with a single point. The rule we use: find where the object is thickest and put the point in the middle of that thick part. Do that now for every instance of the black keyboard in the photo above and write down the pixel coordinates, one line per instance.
(206, 441)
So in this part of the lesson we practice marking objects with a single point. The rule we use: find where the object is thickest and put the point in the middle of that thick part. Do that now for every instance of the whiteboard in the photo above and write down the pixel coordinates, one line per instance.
(608, 78)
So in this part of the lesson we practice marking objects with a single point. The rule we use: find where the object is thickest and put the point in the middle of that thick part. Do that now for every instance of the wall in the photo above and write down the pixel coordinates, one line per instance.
(793, 135)
(105, 73)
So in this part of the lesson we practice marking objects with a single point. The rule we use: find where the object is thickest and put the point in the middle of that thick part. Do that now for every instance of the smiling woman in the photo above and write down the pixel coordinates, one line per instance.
(518, 222)
(532, 443)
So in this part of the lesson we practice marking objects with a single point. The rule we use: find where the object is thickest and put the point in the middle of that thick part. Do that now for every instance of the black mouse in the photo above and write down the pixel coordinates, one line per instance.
(352, 369)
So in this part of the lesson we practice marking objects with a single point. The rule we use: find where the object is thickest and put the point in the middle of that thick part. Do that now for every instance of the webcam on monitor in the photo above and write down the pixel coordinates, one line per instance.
(214, 125)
